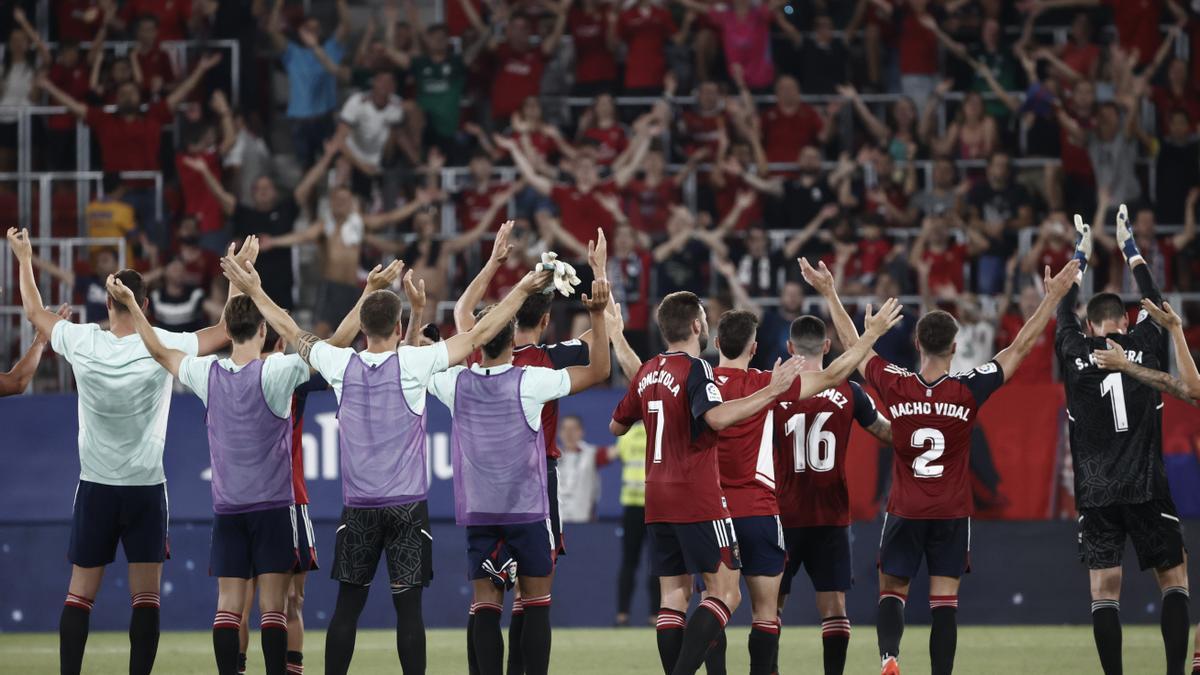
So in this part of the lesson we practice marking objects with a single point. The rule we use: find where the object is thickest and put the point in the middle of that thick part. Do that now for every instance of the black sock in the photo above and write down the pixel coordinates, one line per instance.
(343, 627)
(410, 629)
(835, 638)
(889, 625)
(943, 633)
(1196, 662)
(295, 663)
(516, 629)
(241, 663)
(706, 624)
(535, 637)
(143, 633)
(1106, 629)
(226, 645)
(714, 660)
(272, 628)
(472, 663)
(764, 645)
(669, 626)
(73, 633)
(1175, 627)
(489, 643)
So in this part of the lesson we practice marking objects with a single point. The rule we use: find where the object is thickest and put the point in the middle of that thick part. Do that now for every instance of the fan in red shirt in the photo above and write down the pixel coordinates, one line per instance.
(172, 16)
(645, 29)
(1038, 367)
(201, 150)
(157, 72)
(791, 124)
(675, 396)
(1177, 94)
(650, 196)
(946, 259)
(1078, 177)
(703, 127)
(70, 74)
(78, 20)
(811, 441)
(747, 465)
(601, 126)
(516, 64)
(476, 200)
(595, 64)
(930, 504)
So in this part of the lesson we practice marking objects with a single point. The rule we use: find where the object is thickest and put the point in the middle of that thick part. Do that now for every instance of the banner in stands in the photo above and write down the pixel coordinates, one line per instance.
(1020, 464)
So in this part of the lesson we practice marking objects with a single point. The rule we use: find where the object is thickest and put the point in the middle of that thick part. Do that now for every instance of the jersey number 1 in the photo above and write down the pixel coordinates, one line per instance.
(814, 448)
(656, 408)
(1113, 385)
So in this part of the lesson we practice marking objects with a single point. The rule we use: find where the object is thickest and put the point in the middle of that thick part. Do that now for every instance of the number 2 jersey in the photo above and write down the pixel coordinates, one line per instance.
(670, 394)
(1115, 420)
(931, 434)
(811, 440)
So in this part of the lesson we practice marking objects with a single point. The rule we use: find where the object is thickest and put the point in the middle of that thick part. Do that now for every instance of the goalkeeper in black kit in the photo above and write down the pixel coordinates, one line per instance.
(1116, 446)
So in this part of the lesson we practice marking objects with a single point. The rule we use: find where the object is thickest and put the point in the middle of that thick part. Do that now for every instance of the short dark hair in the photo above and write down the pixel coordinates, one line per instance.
(272, 339)
(242, 318)
(735, 332)
(503, 340)
(111, 182)
(432, 332)
(437, 28)
(936, 332)
(1105, 307)
(380, 313)
(675, 315)
(533, 309)
(134, 282)
(808, 335)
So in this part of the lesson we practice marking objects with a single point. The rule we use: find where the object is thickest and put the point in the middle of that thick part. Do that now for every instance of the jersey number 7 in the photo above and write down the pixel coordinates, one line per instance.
(656, 408)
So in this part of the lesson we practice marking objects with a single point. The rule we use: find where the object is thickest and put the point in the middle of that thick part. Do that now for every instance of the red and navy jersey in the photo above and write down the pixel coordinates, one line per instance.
(299, 399)
(811, 440)
(557, 356)
(931, 433)
(745, 449)
(671, 394)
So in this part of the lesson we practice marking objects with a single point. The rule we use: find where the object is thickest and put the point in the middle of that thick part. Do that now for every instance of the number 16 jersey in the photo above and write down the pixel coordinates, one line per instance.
(931, 434)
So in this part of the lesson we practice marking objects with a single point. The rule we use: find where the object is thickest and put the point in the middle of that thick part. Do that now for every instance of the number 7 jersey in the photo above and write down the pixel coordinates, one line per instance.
(931, 434)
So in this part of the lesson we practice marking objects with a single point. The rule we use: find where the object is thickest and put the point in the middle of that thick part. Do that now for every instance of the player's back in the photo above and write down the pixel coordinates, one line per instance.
(683, 483)
(555, 356)
(811, 440)
(1115, 420)
(745, 450)
(931, 431)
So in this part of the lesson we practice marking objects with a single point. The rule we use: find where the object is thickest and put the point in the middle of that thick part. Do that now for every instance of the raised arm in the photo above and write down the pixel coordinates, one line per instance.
(536, 180)
(376, 221)
(741, 299)
(343, 27)
(876, 128)
(167, 358)
(16, 380)
(377, 279)
(61, 97)
(244, 277)
(822, 280)
(227, 200)
(181, 92)
(462, 345)
(627, 359)
(31, 299)
(1133, 257)
(215, 337)
(275, 26)
(1056, 289)
(731, 412)
(1185, 237)
(1114, 358)
(34, 37)
(550, 43)
(1166, 317)
(876, 325)
(598, 368)
(415, 292)
(951, 45)
(464, 307)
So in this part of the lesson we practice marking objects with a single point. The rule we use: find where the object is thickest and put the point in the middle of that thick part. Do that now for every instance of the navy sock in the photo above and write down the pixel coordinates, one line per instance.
(73, 626)
(670, 626)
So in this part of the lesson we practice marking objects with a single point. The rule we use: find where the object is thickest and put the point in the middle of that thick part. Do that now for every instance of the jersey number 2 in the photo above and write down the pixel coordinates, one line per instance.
(1114, 386)
(656, 408)
(816, 448)
(923, 466)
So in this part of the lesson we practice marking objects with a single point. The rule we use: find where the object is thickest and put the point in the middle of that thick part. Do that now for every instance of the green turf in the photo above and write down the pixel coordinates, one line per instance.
(990, 650)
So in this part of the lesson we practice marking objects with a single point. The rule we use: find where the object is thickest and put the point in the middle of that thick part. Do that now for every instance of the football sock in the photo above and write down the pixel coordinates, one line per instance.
(73, 632)
(835, 638)
(1196, 663)
(472, 664)
(143, 633)
(489, 643)
(669, 628)
(410, 629)
(706, 625)
(535, 636)
(225, 641)
(1106, 629)
(763, 644)
(272, 628)
(516, 628)
(241, 663)
(943, 633)
(1175, 627)
(343, 627)
(714, 660)
(295, 663)
(889, 626)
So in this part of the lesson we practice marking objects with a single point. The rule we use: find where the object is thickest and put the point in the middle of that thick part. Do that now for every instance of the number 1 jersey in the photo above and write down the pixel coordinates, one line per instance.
(670, 394)
(931, 434)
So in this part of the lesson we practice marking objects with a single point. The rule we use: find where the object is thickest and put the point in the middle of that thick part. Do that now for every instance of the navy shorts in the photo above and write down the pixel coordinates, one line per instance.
(824, 552)
(133, 515)
(500, 552)
(944, 544)
(692, 548)
(245, 545)
(306, 539)
(400, 532)
(556, 526)
(760, 545)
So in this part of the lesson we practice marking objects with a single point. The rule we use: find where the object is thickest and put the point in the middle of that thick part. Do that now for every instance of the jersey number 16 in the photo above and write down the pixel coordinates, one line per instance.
(816, 448)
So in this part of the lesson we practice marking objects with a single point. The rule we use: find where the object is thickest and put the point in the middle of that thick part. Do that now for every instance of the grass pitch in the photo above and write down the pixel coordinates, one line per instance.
(990, 650)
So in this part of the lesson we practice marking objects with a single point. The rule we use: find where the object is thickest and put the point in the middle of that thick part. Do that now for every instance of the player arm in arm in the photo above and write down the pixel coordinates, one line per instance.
(1057, 287)
(167, 358)
(379, 278)
(460, 346)
(868, 417)
(1114, 358)
(728, 413)
(31, 299)
(876, 325)
(214, 338)
(464, 307)
(598, 367)
(18, 378)
(821, 279)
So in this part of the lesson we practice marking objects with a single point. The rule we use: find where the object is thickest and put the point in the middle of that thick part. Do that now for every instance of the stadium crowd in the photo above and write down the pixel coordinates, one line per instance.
(919, 147)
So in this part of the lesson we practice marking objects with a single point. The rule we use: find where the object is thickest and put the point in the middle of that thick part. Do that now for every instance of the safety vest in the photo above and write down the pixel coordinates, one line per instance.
(632, 449)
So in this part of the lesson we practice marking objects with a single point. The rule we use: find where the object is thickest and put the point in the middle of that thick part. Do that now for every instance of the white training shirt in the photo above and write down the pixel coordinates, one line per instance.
(370, 126)
(124, 400)
(281, 374)
(417, 365)
(538, 387)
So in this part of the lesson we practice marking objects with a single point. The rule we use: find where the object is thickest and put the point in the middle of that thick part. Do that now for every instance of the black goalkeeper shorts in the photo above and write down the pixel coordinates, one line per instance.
(1153, 527)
